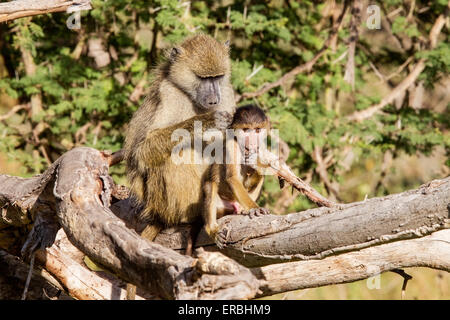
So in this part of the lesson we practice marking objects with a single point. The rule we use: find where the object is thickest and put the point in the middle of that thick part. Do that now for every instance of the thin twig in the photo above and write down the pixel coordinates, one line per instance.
(30, 273)
(377, 72)
(322, 171)
(254, 72)
(14, 110)
(387, 23)
(399, 70)
(342, 56)
(80, 134)
(397, 91)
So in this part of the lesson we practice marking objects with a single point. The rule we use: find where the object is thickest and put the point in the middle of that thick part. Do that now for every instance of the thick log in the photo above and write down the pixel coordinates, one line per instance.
(431, 251)
(75, 193)
(81, 189)
(321, 232)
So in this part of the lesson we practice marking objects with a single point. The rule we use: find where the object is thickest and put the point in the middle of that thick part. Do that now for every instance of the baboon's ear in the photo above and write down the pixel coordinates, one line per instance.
(174, 53)
(227, 43)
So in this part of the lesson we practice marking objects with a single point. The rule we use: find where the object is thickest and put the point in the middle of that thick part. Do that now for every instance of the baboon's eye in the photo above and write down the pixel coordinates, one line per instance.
(216, 78)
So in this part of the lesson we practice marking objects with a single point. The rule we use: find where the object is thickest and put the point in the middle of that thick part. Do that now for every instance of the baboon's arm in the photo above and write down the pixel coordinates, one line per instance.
(158, 144)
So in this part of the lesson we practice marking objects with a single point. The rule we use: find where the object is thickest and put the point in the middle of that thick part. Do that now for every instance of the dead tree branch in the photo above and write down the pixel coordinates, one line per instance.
(322, 232)
(397, 91)
(24, 8)
(42, 286)
(76, 191)
(14, 110)
(75, 194)
(355, 22)
(432, 251)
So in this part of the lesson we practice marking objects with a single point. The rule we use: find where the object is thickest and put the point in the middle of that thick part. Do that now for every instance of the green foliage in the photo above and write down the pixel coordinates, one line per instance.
(84, 104)
(438, 63)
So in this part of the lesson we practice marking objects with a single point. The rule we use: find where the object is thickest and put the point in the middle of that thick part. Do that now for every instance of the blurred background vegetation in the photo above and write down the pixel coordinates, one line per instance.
(62, 88)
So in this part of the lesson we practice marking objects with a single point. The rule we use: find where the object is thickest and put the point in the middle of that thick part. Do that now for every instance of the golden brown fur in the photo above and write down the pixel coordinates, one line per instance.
(170, 193)
(234, 187)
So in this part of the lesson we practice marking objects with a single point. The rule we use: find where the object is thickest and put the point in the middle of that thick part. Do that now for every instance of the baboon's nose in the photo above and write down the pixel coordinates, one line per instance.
(212, 100)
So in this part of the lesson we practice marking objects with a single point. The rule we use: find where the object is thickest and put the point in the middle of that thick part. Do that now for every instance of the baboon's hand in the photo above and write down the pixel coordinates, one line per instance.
(211, 229)
(256, 212)
(222, 119)
(222, 237)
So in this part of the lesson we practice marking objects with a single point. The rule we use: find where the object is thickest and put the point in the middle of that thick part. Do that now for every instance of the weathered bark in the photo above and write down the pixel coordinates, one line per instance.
(321, 232)
(66, 262)
(23, 8)
(318, 233)
(335, 245)
(81, 189)
(75, 194)
(431, 251)
(13, 273)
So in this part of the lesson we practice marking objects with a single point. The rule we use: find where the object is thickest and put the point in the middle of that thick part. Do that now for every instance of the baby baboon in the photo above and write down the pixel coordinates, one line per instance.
(233, 187)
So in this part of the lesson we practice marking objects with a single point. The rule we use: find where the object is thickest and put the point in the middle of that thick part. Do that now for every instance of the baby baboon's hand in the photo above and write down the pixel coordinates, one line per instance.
(222, 119)
(257, 212)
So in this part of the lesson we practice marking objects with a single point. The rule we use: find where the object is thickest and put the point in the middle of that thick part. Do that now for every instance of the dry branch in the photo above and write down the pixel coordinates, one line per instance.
(271, 162)
(42, 286)
(321, 169)
(432, 251)
(65, 262)
(24, 8)
(14, 110)
(355, 22)
(75, 193)
(322, 232)
(397, 91)
(318, 233)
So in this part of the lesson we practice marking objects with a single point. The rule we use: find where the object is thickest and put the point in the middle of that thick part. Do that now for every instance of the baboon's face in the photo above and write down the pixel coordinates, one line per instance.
(205, 91)
(251, 127)
(249, 140)
(200, 67)
(208, 92)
